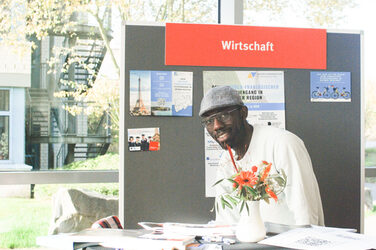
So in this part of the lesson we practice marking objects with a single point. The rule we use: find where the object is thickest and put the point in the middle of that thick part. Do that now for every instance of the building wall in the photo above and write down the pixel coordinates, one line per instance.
(15, 75)
(15, 68)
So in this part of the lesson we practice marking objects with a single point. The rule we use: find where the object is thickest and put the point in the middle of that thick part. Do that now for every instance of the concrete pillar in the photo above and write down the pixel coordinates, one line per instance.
(230, 11)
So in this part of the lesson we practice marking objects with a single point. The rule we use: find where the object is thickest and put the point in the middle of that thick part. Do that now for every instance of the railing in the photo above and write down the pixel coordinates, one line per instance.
(43, 75)
(60, 156)
(370, 171)
(61, 122)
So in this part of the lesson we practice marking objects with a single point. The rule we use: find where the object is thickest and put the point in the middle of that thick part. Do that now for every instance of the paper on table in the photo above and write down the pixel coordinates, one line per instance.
(184, 239)
(190, 229)
(150, 241)
(331, 229)
(321, 238)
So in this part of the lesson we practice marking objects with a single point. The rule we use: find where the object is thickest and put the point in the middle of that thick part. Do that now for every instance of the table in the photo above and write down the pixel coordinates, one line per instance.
(89, 239)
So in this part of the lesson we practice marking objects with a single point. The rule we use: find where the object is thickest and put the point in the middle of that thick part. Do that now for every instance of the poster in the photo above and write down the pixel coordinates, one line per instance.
(143, 139)
(330, 86)
(160, 93)
(261, 91)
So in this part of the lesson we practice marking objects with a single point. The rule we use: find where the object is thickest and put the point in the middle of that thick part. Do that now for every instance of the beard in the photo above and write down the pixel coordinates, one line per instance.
(229, 135)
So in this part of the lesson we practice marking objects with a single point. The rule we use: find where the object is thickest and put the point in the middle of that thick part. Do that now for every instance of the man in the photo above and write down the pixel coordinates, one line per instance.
(224, 116)
(144, 143)
(131, 142)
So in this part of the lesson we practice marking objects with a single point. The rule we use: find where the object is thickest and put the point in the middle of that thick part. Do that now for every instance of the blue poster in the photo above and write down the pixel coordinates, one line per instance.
(330, 86)
(160, 93)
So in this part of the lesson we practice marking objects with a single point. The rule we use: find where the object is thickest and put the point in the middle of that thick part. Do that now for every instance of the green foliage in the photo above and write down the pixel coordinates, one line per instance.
(370, 158)
(317, 13)
(369, 213)
(102, 162)
(22, 220)
(47, 190)
(4, 147)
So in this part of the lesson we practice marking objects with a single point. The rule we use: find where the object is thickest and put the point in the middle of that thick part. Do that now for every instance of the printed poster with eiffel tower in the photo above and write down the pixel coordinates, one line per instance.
(160, 93)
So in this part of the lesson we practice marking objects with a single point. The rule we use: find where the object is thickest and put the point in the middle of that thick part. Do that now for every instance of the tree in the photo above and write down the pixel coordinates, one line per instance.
(317, 13)
(21, 19)
(370, 114)
(326, 12)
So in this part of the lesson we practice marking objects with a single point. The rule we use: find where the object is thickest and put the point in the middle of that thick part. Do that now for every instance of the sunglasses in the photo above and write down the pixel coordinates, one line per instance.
(222, 117)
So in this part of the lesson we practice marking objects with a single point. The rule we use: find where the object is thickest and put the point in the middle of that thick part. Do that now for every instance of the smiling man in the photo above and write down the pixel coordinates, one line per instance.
(224, 115)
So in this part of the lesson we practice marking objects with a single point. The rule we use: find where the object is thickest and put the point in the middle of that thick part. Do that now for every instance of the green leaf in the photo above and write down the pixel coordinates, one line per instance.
(246, 205)
(218, 182)
(234, 175)
(232, 200)
(242, 192)
(225, 203)
(284, 174)
(266, 199)
(222, 202)
(231, 180)
(242, 206)
(251, 190)
(281, 182)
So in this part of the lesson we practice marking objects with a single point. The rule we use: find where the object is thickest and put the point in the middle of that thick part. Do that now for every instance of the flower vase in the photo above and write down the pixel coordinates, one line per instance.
(250, 227)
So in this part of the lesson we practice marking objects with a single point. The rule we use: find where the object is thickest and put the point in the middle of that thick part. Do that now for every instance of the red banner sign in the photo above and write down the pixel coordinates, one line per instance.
(245, 46)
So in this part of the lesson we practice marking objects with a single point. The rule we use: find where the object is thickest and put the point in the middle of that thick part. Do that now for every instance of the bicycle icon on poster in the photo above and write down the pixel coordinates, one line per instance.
(331, 92)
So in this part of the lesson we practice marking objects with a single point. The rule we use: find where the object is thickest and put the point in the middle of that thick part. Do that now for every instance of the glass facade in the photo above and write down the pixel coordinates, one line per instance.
(4, 125)
(4, 138)
(4, 100)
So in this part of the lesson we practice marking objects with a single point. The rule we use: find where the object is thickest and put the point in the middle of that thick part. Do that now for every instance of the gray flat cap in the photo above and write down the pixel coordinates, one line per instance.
(218, 97)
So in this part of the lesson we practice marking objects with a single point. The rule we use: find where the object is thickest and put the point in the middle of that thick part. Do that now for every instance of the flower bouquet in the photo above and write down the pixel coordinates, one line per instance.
(252, 185)
(248, 188)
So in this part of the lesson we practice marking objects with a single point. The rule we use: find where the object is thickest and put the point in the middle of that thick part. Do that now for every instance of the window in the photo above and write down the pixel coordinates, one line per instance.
(4, 124)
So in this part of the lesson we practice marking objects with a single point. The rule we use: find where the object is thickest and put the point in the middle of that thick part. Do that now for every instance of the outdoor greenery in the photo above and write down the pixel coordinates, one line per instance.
(4, 146)
(370, 158)
(103, 162)
(22, 220)
(370, 114)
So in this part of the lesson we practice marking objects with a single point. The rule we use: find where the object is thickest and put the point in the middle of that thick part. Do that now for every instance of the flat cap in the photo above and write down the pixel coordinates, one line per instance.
(220, 97)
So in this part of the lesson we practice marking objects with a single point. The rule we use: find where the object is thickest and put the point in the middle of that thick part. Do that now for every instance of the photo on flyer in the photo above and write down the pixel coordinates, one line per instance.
(143, 139)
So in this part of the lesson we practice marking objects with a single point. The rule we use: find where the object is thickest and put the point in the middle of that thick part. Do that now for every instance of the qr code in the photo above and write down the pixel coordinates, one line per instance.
(313, 242)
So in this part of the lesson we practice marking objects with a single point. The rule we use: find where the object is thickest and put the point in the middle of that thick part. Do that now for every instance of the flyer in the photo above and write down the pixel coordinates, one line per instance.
(143, 139)
(160, 93)
(261, 91)
(330, 86)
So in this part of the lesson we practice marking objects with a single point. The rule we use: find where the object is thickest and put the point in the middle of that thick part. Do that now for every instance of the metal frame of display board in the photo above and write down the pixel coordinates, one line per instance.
(169, 185)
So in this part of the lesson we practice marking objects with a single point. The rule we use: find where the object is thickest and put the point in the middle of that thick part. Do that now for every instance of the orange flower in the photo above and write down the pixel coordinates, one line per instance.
(271, 193)
(254, 169)
(246, 178)
(266, 172)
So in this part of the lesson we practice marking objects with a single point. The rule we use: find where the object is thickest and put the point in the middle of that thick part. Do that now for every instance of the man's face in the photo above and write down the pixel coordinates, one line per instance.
(225, 125)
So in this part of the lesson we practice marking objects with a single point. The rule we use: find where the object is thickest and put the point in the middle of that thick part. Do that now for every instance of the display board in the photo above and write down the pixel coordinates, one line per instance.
(168, 184)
